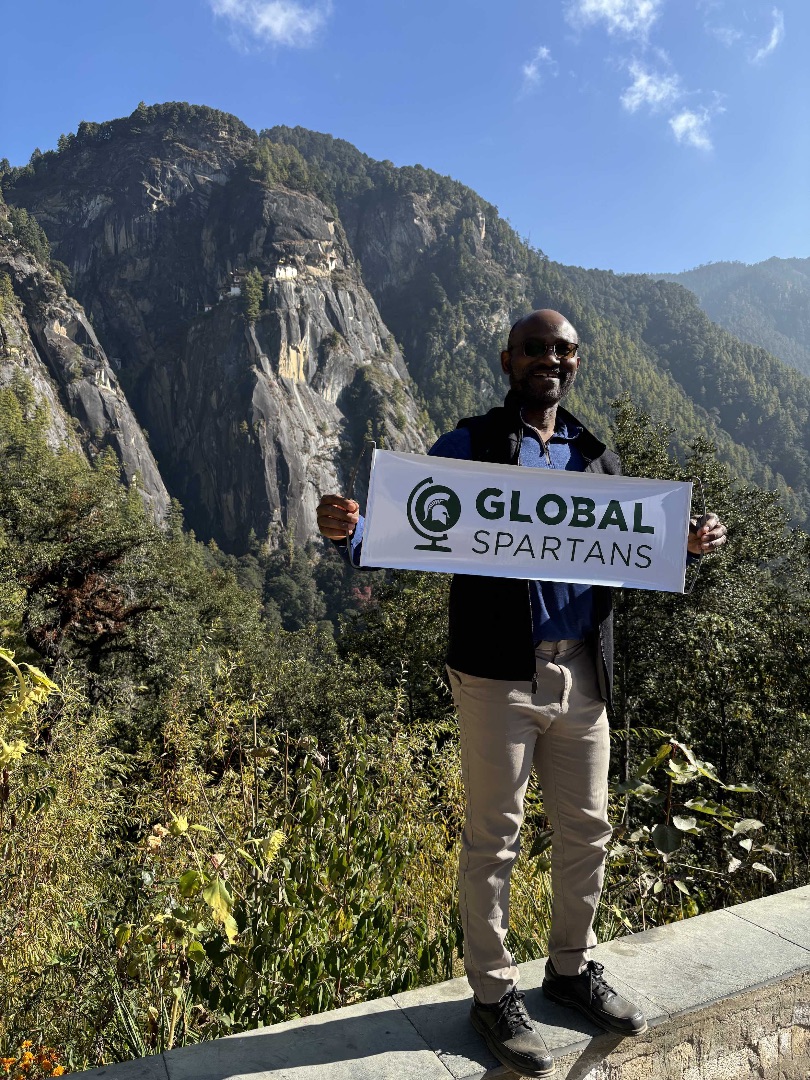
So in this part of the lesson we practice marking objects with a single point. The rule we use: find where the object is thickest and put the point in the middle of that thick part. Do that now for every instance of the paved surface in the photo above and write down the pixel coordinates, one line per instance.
(671, 971)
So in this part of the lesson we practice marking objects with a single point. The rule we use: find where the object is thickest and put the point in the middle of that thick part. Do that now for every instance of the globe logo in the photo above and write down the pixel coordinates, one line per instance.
(432, 510)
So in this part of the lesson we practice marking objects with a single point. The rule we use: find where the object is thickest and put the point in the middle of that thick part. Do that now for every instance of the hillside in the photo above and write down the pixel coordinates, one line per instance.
(241, 331)
(230, 773)
(451, 275)
(383, 296)
(767, 304)
(47, 340)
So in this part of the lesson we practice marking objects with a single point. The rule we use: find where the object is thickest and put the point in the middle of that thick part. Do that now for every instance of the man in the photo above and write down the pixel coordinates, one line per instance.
(530, 666)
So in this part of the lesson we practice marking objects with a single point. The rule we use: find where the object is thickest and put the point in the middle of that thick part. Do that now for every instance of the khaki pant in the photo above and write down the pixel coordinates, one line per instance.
(561, 730)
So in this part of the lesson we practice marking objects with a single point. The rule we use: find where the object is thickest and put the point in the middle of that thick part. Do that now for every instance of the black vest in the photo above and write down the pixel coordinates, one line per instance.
(491, 618)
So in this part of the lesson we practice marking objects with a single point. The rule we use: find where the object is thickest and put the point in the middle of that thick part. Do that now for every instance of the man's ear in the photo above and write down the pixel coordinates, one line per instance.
(506, 362)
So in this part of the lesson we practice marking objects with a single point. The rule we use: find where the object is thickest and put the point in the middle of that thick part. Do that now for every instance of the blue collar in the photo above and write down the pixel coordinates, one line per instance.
(563, 431)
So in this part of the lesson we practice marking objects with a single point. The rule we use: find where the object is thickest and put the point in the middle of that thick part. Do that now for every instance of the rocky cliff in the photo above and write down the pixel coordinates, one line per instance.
(223, 274)
(449, 276)
(234, 313)
(46, 336)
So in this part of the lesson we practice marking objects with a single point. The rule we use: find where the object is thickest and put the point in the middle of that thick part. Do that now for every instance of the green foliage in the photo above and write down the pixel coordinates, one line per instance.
(61, 273)
(725, 666)
(29, 233)
(6, 293)
(58, 795)
(658, 872)
(452, 307)
(71, 593)
(325, 871)
(252, 294)
(277, 164)
(259, 824)
(765, 304)
(168, 120)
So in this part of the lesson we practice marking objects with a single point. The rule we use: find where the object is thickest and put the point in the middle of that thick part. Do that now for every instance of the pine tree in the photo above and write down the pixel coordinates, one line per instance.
(252, 294)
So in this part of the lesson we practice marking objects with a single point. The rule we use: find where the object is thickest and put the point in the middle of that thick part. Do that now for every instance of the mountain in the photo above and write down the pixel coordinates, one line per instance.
(269, 299)
(449, 276)
(46, 337)
(767, 303)
(171, 227)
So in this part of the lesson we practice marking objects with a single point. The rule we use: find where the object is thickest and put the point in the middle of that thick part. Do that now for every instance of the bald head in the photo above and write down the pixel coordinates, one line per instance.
(541, 361)
(542, 323)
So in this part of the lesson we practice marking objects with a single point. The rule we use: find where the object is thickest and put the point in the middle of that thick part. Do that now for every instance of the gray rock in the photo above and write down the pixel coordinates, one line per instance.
(250, 423)
(370, 1041)
(47, 337)
(149, 1068)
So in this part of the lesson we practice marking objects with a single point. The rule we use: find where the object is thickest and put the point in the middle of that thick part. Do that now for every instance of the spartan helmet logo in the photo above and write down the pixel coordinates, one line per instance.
(433, 510)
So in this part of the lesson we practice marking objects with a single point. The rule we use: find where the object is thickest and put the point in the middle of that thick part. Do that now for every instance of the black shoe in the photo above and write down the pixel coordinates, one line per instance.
(589, 993)
(509, 1033)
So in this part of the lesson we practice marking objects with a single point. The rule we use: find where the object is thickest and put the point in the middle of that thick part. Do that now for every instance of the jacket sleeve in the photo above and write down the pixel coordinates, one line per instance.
(350, 549)
(453, 444)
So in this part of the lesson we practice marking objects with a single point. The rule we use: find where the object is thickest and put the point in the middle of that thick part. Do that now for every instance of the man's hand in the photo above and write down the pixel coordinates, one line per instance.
(706, 534)
(337, 517)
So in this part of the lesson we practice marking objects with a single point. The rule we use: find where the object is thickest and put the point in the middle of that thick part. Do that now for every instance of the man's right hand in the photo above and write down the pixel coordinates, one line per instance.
(337, 517)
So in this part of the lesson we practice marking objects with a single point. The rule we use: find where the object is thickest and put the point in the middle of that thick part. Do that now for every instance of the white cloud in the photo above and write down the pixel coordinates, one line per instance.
(726, 35)
(540, 64)
(631, 17)
(656, 88)
(650, 88)
(691, 127)
(274, 22)
(777, 33)
(731, 36)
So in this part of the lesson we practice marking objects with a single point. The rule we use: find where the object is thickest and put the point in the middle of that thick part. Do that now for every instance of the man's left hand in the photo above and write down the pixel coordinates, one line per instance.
(706, 534)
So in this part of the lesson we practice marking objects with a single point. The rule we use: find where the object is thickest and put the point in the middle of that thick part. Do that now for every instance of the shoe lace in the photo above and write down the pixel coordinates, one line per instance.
(513, 1011)
(599, 986)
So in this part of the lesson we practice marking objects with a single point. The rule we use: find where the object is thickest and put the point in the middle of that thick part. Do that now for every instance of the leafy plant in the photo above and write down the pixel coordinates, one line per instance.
(658, 866)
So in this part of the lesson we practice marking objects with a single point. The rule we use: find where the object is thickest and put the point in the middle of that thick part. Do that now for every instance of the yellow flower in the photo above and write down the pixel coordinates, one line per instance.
(7, 1063)
(27, 1058)
(26, 1044)
(58, 1071)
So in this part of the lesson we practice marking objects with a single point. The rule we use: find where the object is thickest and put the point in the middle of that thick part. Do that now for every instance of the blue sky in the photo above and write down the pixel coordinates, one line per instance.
(634, 135)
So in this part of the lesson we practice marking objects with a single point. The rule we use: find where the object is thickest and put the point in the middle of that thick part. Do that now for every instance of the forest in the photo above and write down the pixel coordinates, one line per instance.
(450, 298)
(765, 304)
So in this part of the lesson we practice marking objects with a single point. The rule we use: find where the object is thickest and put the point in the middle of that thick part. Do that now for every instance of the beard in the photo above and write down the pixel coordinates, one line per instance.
(542, 393)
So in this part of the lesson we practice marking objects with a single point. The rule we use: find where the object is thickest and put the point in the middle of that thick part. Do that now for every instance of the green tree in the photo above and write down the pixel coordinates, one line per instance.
(6, 292)
(252, 294)
(724, 668)
(30, 233)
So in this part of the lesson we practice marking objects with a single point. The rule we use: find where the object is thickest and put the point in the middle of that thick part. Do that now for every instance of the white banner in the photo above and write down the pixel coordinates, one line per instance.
(469, 517)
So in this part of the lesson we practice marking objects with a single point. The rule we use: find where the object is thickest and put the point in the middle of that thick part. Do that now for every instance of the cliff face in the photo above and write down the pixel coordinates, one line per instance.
(164, 231)
(222, 273)
(46, 336)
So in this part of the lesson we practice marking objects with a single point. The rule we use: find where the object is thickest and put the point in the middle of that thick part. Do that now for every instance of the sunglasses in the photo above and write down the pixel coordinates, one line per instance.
(563, 350)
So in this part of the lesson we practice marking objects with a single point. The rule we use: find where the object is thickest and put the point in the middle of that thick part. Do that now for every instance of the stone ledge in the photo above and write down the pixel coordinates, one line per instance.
(726, 994)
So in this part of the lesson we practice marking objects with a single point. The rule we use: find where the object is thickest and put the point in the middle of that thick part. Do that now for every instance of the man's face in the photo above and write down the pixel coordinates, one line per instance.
(543, 379)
